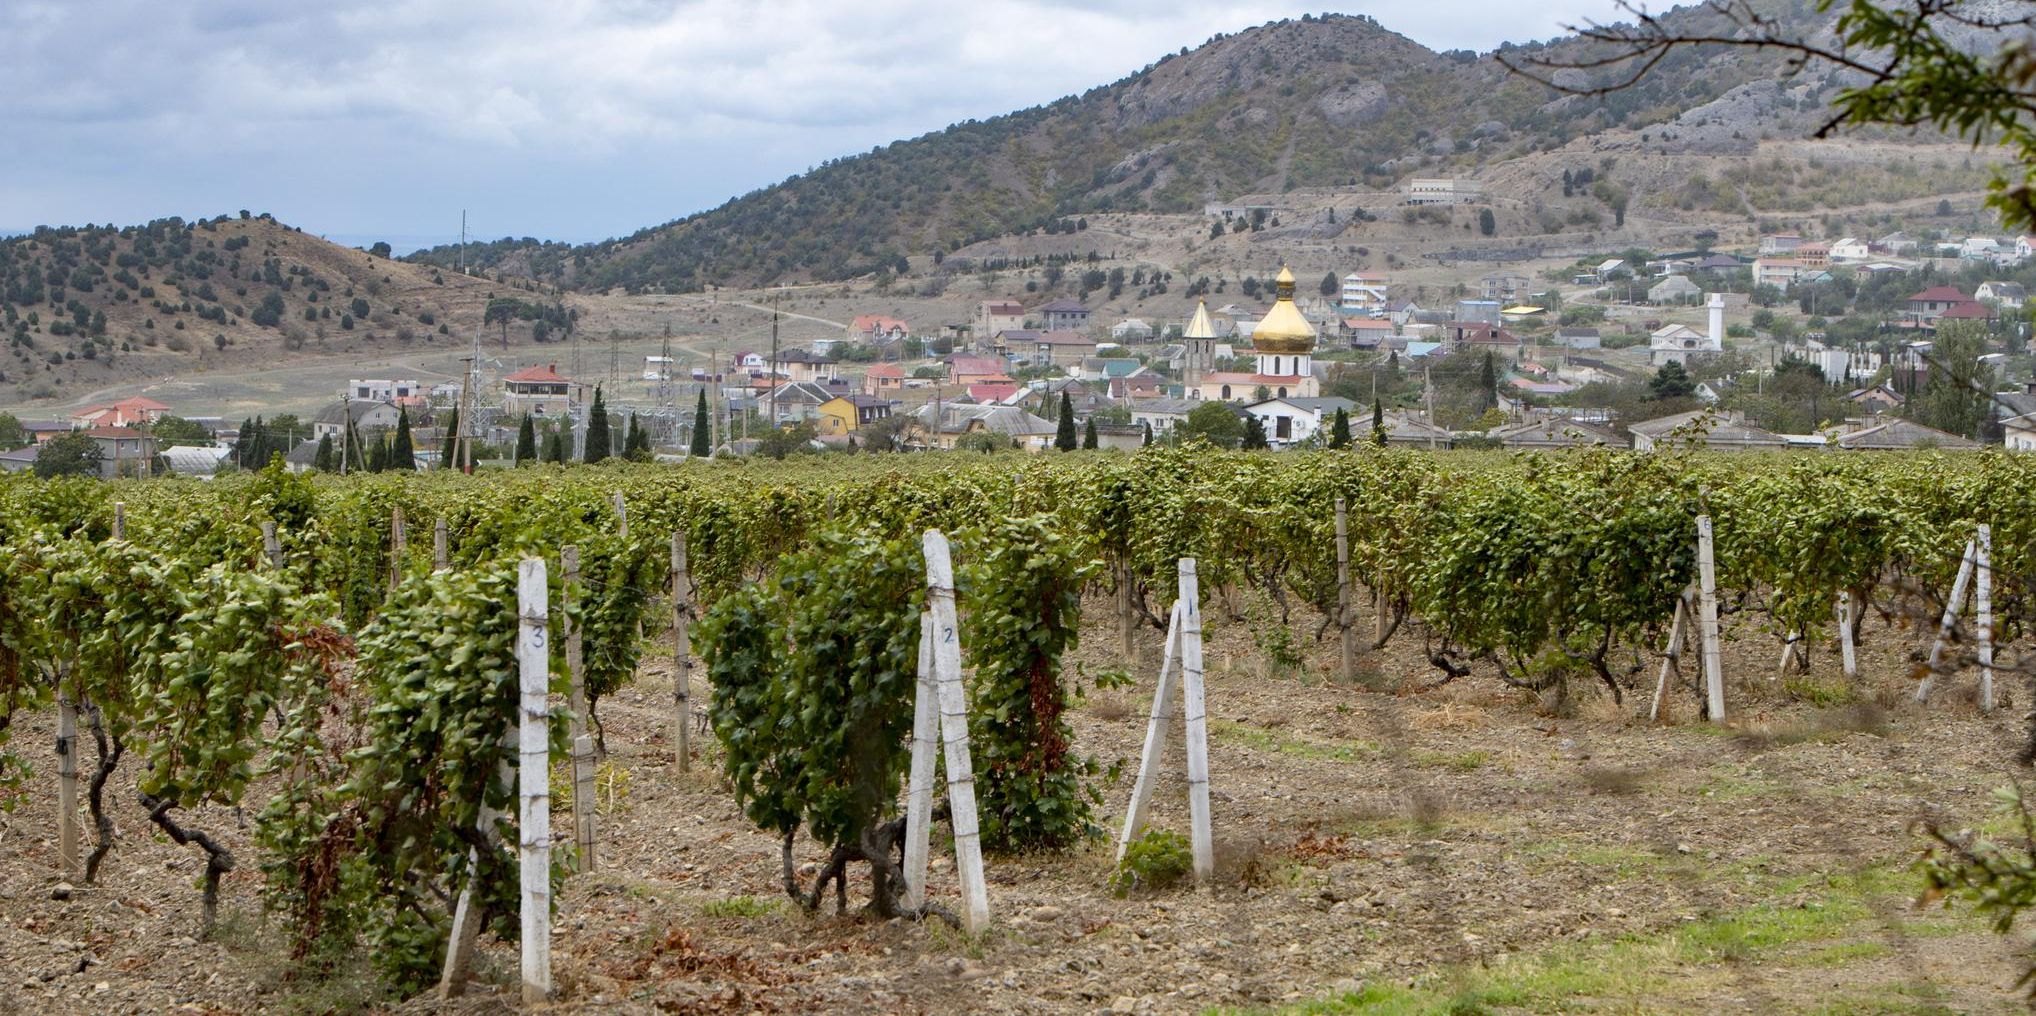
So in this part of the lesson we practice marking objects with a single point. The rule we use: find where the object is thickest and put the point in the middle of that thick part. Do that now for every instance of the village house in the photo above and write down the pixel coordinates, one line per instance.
(1879, 398)
(1367, 332)
(942, 425)
(1556, 432)
(136, 411)
(1131, 330)
(1488, 311)
(123, 451)
(367, 418)
(385, 390)
(538, 391)
(2016, 412)
(993, 316)
(2005, 295)
(1923, 309)
(1504, 287)
(1679, 343)
(1780, 243)
(994, 392)
(883, 379)
(970, 370)
(874, 329)
(1403, 430)
(1365, 292)
(1443, 191)
(1064, 315)
(1897, 243)
(1814, 255)
(1062, 348)
(1705, 427)
(1780, 273)
(801, 365)
(1902, 435)
(1578, 338)
(1676, 289)
(794, 401)
(1293, 420)
(1162, 414)
(1850, 248)
(846, 414)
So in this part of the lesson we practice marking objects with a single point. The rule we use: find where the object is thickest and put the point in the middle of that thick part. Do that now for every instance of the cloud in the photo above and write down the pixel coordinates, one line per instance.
(580, 118)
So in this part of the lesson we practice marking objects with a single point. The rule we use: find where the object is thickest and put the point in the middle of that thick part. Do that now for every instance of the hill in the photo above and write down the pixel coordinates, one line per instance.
(1330, 101)
(93, 307)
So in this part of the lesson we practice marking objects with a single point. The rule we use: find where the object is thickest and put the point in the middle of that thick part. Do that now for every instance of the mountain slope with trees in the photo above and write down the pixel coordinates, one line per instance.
(1336, 100)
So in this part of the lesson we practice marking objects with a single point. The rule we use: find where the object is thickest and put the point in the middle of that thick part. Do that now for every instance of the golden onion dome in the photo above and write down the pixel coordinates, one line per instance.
(1284, 330)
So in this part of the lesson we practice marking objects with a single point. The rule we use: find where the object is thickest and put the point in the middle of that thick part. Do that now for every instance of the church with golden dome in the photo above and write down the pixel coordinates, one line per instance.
(1281, 346)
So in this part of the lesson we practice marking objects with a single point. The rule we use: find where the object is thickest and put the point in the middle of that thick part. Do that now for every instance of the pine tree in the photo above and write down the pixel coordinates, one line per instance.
(403, 456)
(1254, 434)
(322, 460)
(599, 444)
(526, 441)
(1339, 433)
(1089, 432)
(1064, 437)
(703, 430)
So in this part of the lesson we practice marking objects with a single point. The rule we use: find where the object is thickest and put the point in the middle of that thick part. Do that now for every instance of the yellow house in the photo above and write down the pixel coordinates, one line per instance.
(846, 414)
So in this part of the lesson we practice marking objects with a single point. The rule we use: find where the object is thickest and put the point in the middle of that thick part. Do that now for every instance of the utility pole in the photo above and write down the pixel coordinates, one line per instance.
(772, 419)
(461, 261)
(1428, 394)
(345, 427)
(462, 453)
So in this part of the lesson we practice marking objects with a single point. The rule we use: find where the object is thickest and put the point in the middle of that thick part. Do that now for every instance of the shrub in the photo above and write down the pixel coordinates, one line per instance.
(1155, 861)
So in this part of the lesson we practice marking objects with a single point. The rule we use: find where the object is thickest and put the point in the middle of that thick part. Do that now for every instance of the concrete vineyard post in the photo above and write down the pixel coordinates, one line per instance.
(1671, 659)
(919, 788)
(533, 779)
(682, 652)
(621, 516)
(466, 919)
(272, 548)
(1848, 648)
(1343, 592)
(1127, 624)
(1158, 723)
(396, 541)
(1983, 604)
(441, 546)
(583, 745)
(67, 774)
(1953, 604)
(1707, 620)
(1196, 723)
(954, 733)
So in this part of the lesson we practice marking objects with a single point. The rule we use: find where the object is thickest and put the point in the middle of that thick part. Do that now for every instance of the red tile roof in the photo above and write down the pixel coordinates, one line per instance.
(1968, 310)
(537, 375)
(1941, 294)
(886, 370)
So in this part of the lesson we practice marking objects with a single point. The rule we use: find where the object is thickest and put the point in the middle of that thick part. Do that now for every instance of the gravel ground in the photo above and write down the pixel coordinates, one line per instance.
(1365, 838)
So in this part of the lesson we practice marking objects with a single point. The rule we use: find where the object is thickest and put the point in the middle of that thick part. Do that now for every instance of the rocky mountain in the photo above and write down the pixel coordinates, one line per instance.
(1329, 101)
(83, 308)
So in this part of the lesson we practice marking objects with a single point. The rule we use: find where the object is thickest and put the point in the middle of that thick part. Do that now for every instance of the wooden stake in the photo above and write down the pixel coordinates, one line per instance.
(954, 733)
(919, 789)
(1952, 606)
(1197, 724)
(1343, 618)
(1671, 660)
(396, 540)
(682, 651)
(533, 779)
(441, 546)
(1707, 619)
(1983, 602)
(1158, 723)
(1848, 649)
(583, 746)
(271, 546)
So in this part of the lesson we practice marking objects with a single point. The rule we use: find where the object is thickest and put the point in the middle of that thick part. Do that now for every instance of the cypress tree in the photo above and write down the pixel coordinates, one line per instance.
(1089, 432)
(552, 451)
(1339, 433)
(599, 444)
(322, 460)
(1147, 443)
(403, 456)
(450, 443)
(378, 455)
(703, 431)
(636, 446)
(526, 441)
(1254, 434)
(241, 448)
(1064, 437)
(1378, 424)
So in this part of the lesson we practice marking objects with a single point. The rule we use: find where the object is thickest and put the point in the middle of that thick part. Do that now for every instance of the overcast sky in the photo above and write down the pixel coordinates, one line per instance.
(566, 119)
